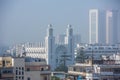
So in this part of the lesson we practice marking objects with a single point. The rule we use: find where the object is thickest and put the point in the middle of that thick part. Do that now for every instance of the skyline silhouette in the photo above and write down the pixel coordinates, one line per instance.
(26, 21)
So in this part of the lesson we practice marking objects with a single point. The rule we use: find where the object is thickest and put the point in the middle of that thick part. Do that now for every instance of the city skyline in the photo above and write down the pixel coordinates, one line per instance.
(26, 21)
(104, 26)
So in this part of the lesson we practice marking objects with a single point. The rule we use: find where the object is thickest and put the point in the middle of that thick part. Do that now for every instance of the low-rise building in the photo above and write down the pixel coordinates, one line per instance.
(23, 68)
(97, 69)
(6, 73)
(6, 61)
(97, 50)
(37, 69)
(6, 68)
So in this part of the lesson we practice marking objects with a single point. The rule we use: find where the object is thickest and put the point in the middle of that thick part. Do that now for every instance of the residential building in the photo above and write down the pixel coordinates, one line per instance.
(92, 69)
(24, 68)
(6, 68)
(19, 68)
(37, 69)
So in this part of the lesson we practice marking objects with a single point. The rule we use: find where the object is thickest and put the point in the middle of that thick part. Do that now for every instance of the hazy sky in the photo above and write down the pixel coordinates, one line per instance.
(27, 20)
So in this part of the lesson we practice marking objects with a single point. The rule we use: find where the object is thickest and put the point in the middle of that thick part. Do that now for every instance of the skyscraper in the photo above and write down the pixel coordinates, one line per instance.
(111, 26)
(93, 26)
(97, 26)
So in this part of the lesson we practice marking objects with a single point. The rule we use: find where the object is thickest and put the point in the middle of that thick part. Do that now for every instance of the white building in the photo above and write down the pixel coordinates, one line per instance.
(112, 26)
(50, 50)
(97, 50)
(19, 68)
(96, 26)
(103, 26)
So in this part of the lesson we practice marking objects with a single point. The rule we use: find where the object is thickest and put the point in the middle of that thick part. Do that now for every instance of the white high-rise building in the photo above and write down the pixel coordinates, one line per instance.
(111, 26)
(96, 26)
(93, 26)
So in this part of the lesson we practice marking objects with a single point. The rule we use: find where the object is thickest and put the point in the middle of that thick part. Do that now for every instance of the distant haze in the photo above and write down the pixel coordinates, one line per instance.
(27, 20)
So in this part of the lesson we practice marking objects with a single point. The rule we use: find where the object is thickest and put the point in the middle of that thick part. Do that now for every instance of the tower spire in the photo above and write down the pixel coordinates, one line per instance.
(50, 30)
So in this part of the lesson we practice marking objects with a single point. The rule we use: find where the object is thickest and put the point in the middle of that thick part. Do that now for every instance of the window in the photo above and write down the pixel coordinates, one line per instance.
(42, 69)
(7, 61)
(19, 73)
(74, 69)
(28, 78)
(39, 60)
(28, 69)
(16, 67)
(45, 78)
(22, 73)
(16, 72)
(22, 68)
(35, 60)
(22, 77)
(3, 63)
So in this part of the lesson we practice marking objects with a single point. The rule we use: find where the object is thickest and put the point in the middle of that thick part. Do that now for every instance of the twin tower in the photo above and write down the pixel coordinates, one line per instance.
(55, 51)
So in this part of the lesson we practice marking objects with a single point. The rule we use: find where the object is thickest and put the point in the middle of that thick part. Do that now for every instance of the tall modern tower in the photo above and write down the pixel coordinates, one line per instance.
(96, 26)
(111, 26)
(93, 26)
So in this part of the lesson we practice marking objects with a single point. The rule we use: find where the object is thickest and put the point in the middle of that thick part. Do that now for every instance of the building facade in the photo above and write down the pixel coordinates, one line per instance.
(96, 50)
(23, 68)
(94, 69)
(49, 50)
(112, 27)
(96, 26)
(103, 26)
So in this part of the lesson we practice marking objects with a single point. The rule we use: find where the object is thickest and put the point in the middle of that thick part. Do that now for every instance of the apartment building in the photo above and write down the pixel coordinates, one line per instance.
(23, 68)
(104, 69)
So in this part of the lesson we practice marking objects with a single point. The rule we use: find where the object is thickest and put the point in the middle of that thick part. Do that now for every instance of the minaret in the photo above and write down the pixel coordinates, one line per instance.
(69, 40)
(49, 45)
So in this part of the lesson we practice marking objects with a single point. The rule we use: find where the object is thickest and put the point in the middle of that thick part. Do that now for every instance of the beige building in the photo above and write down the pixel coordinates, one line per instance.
(18, 68)
(6, 62)
(37, 71)
(6, 68)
